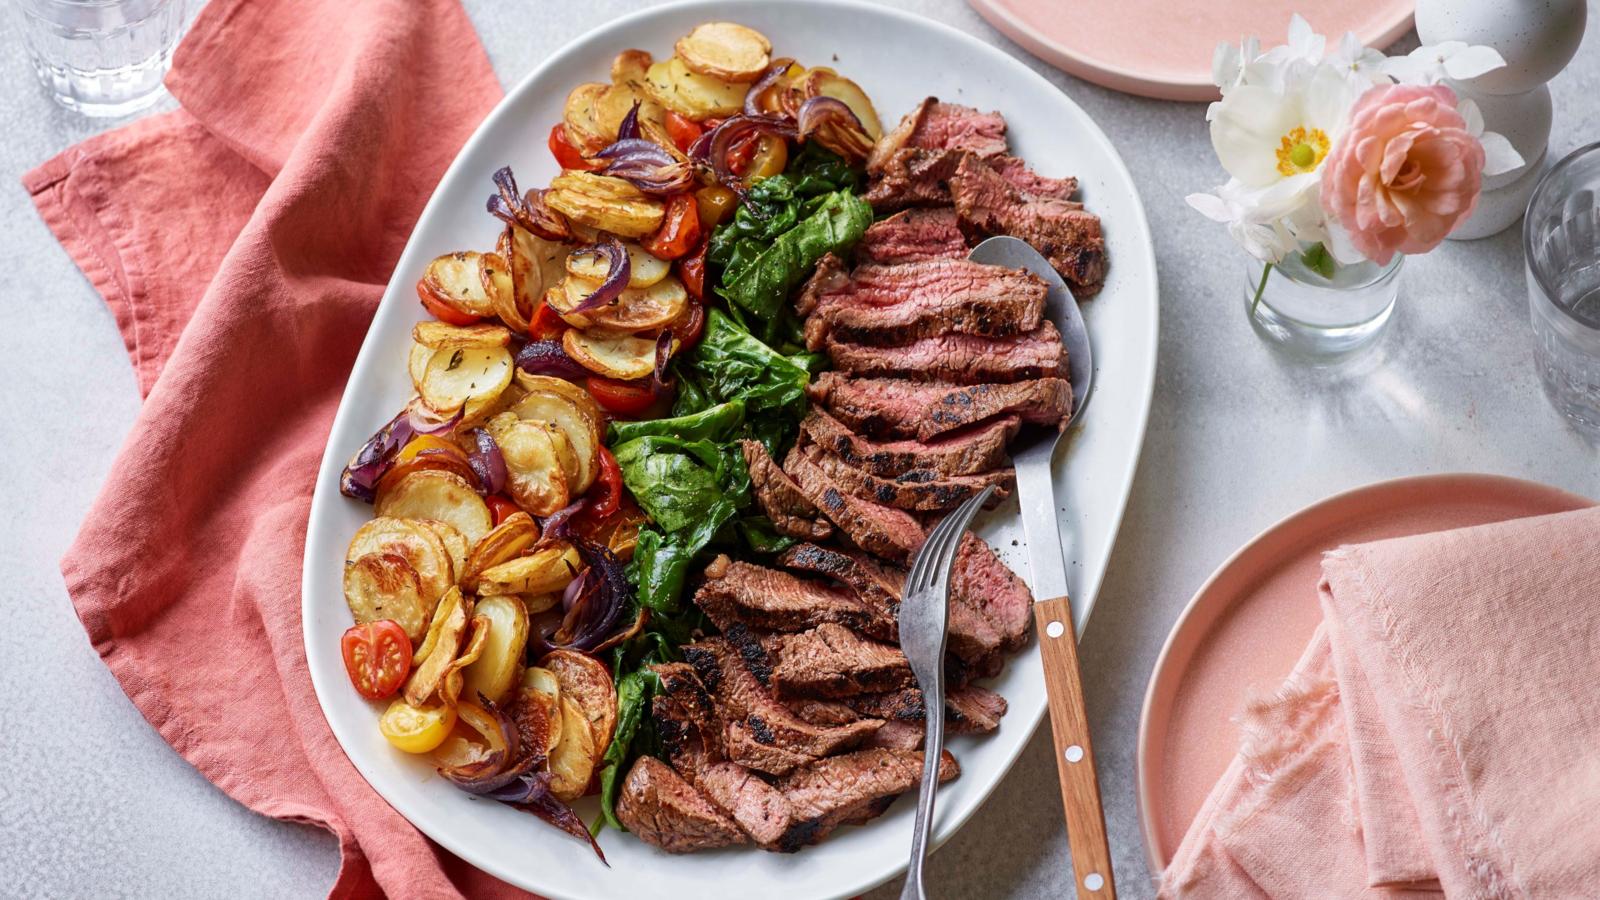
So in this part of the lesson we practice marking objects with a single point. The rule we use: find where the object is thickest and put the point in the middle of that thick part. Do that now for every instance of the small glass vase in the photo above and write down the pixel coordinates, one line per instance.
(1313, 317)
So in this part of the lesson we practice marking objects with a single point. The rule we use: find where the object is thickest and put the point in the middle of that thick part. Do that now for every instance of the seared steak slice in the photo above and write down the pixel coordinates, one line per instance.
(662, 809)
(905, 301)
(850, 789)
(742, 593)
(914, 177)
(875, 586)
(685, 718)
(823, 712)
(912, 235)
(959, 357)
(964, 452)
(980, 580)
(1063, 231)
(907, 492)
(968, 709)
(833, 661)
(1029, 183)
(942, 126)
(895, 407)
(791, 513)
(759, 731)
(898, 735)
(758, 807)
(879, 530)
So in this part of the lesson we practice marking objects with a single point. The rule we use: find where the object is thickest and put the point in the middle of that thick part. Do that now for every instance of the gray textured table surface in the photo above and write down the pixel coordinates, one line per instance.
(93, 803)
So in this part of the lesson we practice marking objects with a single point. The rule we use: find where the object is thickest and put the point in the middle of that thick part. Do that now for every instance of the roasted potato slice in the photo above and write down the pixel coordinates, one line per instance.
(450, 686)
(439, 495)
(579, 116)
(499, 666)
(613, 104)
(580, 397)
(587, 682)
(538, 603)
(496, 273)
(381, 586)
(699, 97)
(629, 68)
(454, 542)
(547, 569)
(605, 203)
(471, 377)
(456, 280)
(635, 309)
(426, 462)
(572, 761)
(506, 542)
(412, 542)
(623, 357)
(825, 82)
(643, 268)
(536, 265)
(441, 336)
(439, 649)
(536, 462)
(537, 711)
(417, 364)
(577, 422)
(725, 50)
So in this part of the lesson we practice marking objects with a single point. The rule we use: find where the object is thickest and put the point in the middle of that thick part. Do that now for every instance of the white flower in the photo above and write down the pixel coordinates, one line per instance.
(1360, 63)
(1433, 63)
(1304, 44)
(1499, 156)
(1263, 236)
(1264, 135)
(1228, 62)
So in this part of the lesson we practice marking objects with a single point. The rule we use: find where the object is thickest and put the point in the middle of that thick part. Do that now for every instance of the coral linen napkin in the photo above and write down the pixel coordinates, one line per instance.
(1440, 733)
(243, 242)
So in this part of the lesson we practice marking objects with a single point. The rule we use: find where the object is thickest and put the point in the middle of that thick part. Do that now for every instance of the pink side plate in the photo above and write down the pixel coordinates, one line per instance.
(1251, 620)
(1162, 49)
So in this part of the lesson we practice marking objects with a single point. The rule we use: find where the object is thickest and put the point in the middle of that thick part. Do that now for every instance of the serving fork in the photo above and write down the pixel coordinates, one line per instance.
(924, 618)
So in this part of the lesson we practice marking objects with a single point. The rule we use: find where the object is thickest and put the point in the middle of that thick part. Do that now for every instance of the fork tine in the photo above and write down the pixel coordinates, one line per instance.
(933, 562)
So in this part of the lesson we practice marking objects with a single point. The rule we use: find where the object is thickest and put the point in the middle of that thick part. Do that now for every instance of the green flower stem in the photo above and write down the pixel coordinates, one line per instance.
(1260, 289)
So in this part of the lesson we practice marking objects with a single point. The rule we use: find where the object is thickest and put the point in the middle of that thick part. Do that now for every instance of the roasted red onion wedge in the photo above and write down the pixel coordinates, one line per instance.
(833, 124)
(616, 277)
(527, 210)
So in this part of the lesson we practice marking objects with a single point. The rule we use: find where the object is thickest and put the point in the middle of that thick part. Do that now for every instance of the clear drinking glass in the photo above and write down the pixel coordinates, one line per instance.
(101, 57)
(1318, 319)
(1561, 240)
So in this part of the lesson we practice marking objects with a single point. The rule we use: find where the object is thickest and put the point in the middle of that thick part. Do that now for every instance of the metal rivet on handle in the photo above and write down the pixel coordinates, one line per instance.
(1093, 881)
(1055, 629)
(1074, 753)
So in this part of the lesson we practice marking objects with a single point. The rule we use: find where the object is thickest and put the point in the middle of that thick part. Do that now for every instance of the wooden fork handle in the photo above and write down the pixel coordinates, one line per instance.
(1080, 789)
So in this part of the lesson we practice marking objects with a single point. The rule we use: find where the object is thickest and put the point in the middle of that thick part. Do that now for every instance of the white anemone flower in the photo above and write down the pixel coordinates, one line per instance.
(1257, 228)
(1264, 136)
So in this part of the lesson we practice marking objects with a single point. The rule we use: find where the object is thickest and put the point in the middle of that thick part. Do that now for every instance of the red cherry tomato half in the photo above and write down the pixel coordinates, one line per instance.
(689, 326)
(440, 310)
(567, 155)
(625, 398)
(692, 272)
(607, 490)
(377, 656)
(546, 324)
(679, 231)
(683, 130)
(501, 506)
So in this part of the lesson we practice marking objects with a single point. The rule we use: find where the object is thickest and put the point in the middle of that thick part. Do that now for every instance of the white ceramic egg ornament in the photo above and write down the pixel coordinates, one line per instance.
(1537, 38)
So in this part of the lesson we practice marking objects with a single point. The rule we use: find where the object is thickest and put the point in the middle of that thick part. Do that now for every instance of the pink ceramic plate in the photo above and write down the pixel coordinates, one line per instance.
(1251, 621)
(1162, 49)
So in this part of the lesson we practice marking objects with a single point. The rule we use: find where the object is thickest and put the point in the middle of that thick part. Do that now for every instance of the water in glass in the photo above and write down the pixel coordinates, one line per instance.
(101, 57)
(1561, 236)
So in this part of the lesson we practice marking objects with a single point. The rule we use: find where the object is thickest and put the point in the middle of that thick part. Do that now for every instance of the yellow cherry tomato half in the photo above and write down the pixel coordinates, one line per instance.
(416, 729)
(427, 442)
(771, 156)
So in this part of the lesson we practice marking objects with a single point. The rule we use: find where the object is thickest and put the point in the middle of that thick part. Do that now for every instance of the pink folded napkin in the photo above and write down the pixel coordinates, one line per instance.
(243, 243)
(1440, 733)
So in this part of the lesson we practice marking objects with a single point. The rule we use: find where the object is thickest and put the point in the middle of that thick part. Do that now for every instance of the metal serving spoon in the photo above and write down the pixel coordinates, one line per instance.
(1033, 455)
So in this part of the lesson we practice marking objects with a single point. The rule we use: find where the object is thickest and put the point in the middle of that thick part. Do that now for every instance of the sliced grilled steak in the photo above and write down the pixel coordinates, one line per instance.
(898, 735)
(823, 712)
(878, 529)
(914, 177)
(964, 452)
(833, 661)
(662, 809)
(758, 807)
(907, 492)
(912, 235)
(894, 304)
(895, 407)
(959, 357)
(968, 709)
(942, 126)
(742, 593)
(758, 731)
(850, 789)
(791, 513)
(1063, 231)
(685, 718)
(980, 580)
(1029, 183)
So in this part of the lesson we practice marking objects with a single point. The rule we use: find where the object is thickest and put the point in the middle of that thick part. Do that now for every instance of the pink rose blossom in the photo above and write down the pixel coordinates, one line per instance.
(1404, 173)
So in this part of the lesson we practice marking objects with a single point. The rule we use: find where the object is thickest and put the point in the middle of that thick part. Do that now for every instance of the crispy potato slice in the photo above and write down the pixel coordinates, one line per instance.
(504, 543)
(538, 603)
(381, 586)
(587, 682)
(441, 336)
(434, 462)
(454, 542)
(578, 423)
(629, 68)
(535, 265)
(643, 268)
(612, 105)
(451, 685)
(579, 116)
(471, 377)
(414, 543)
(699, 97)
(725, 50)
(537, 712)
(825, 82)
(496, 274)
(439, 495)
(439, 648)
(456, 279)
(605, 203)
(417, 364)
(547, 569)
(580, 397)
(535, 455)
(499, 666)
(572, 761)
(635, 309)
(623, 357)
